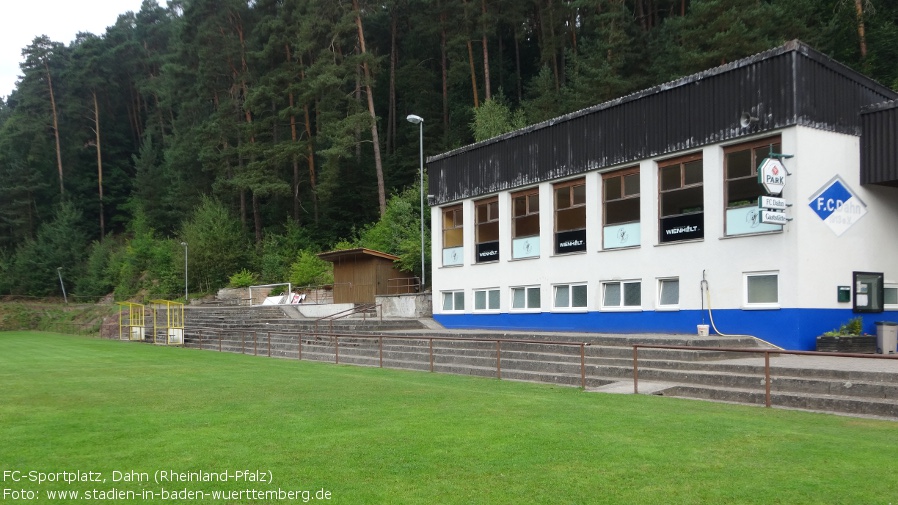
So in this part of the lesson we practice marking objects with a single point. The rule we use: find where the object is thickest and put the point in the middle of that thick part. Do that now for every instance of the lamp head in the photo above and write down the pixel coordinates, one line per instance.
(184, 244)
(411, 118)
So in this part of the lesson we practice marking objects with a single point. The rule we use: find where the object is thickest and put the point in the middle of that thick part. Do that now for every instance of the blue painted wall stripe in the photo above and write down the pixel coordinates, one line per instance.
(794, 329)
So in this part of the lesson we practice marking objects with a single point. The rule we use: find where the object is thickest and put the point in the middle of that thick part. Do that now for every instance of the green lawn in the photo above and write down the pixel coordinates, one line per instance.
(373, 436)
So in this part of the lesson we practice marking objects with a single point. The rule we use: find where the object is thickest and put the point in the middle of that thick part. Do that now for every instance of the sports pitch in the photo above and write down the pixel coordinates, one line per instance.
(122, 422)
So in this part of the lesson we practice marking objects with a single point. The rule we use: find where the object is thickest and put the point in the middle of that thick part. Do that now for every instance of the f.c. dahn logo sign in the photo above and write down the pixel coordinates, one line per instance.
(837, 205)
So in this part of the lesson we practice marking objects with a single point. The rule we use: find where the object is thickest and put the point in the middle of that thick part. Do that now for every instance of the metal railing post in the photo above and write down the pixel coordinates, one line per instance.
(498, 359)
(300, 346)
(767, 378)
(635, 370)
(583, 365)
(336, 349)
(431, 354)
(380, 343)
(269, 344)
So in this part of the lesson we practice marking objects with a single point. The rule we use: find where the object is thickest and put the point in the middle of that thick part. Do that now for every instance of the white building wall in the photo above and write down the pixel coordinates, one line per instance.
(810, 259)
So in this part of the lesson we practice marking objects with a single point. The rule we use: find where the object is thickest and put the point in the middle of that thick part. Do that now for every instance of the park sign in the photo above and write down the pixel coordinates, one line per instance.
(837, 205)
(772, 175)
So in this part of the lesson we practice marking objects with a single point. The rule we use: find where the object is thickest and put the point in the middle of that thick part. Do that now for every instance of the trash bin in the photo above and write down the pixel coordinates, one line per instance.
(886, 337)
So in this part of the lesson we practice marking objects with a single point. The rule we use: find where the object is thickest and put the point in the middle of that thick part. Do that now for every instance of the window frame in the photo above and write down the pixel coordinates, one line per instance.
(749, 210)
(889, 286)
(454, 296)
(682, 161)
(523, 244)
(570, 307)
(620, 307)
(579, 233)
(625, 227)
(527, 307)
(458, 222)
(760, 305)
(487, 292)
(493, 254)
(660, 284)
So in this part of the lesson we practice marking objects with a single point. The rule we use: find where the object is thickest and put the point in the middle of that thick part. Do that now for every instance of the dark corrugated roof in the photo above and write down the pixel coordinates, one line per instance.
(789, 85)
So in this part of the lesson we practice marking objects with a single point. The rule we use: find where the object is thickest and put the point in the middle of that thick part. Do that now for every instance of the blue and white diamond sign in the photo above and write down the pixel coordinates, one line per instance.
(837, 205)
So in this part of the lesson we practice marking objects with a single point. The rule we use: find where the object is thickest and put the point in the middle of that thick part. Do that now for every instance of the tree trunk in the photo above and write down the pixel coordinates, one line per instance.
(310, 147)
(861, 32)
(394, 56)
(375, 139)
(444, 68)
(486, 56)
(99, 164)
(55, 128)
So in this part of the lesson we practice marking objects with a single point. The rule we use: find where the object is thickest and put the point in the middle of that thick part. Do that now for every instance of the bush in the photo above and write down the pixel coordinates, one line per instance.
(309, 269)
(243, 279)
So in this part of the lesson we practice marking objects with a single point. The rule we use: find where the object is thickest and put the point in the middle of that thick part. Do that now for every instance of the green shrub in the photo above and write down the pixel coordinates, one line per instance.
(309, 269)
(243, 279)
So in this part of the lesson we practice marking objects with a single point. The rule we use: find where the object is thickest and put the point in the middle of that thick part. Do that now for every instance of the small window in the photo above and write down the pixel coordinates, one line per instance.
(621, 294)
(486, 299)
(620, 208)
(669, 293)
(570, 217)
(570, 296)
(453, 236)
(453, 301)
(524, 298)
(741, 164)
(890, 296)
(762, 290)
(525, 224)
(486, 229)
(681, 199)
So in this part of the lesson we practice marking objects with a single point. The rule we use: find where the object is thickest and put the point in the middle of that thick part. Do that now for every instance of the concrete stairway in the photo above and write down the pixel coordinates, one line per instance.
(607, 360)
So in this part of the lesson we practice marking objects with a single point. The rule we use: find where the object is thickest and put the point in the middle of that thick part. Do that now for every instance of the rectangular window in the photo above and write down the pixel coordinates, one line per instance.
(890, 296)
(669, 292)
(524, 298)
(681, 199)
(620, 209)
(486, 299)
(453, 300)
(486, 229)
(570, 296)
(621, 294)
(570, 216)
(525, 224)
(762, 289)
(453, 236)
(742, 188)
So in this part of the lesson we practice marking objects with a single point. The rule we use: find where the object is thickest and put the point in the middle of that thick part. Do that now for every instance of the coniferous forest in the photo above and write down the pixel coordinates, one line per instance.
(259, 132)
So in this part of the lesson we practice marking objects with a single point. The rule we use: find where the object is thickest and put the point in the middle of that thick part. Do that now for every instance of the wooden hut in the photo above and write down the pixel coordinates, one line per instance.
(360, 274)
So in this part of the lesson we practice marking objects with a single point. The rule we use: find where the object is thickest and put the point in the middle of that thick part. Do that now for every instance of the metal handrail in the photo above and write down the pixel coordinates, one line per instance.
(335, 337)
(766, 352)
(363, 308)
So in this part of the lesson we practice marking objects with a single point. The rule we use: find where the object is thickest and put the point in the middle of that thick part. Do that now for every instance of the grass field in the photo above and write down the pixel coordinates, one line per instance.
(373, 436)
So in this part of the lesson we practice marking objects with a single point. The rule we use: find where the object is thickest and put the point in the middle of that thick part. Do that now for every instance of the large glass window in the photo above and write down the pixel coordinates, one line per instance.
(570, 296)
(486, 299)
(525, 224)
(486, 229)
(620, 208)
(570, 216)
(681, 199)
(742, 188)
(525, 298)
(453, 236)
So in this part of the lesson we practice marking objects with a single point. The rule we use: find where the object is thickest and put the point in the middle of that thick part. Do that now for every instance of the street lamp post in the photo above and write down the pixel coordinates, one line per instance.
(418, 120)
(61, 284)
(184, 244)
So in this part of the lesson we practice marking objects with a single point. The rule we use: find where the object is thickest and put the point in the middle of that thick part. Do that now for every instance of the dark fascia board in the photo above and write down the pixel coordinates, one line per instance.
(361, 251)
(793, 46)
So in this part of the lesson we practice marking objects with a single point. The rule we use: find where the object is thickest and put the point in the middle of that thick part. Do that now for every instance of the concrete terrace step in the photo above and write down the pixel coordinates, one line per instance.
(866, 406)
